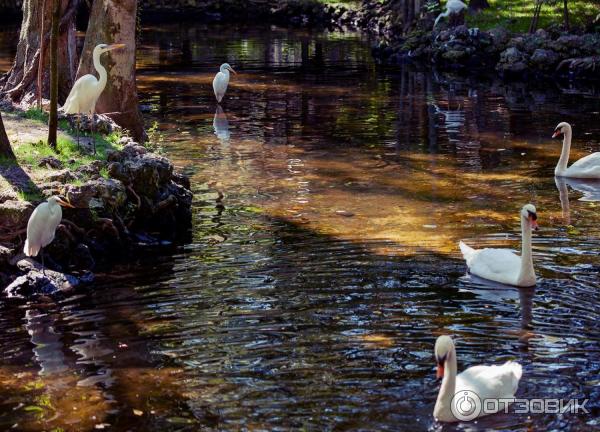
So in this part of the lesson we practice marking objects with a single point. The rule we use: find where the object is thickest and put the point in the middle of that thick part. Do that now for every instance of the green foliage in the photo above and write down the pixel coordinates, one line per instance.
(156, 139)
(29, 196)
(516, 15)
(36, 114)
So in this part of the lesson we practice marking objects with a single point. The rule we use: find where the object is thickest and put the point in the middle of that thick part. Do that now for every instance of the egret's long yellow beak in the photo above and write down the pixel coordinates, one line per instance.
(115, 46)
(64, 203)
(231, 69)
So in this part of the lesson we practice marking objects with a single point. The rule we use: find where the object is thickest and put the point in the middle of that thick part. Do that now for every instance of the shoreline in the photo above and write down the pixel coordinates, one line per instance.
(127, 199)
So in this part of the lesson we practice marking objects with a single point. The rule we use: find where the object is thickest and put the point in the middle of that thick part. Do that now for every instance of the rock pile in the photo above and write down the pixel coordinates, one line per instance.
(135, 199)
(514, 56)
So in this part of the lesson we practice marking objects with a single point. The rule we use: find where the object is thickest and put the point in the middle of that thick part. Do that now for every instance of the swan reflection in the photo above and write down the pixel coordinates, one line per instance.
(221, 125)
(590, 190)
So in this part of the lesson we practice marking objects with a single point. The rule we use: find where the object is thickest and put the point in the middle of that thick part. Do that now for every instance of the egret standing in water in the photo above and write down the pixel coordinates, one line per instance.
(87, 89)
(221, 81)
(452, 7)
(42, 225)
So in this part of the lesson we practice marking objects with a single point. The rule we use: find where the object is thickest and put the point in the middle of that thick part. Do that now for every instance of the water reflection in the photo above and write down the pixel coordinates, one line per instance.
(590, 190)
(221, 125)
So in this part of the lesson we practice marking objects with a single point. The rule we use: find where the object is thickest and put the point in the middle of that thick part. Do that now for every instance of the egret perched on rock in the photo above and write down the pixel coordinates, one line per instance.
(87, 89)
(42, 224)
(221, 81)
(452, 7)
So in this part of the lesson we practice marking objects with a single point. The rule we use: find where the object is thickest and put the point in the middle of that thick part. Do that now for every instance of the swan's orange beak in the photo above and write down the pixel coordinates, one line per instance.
(440, 371)
(64, 203)
(534, 224)
(556, 133)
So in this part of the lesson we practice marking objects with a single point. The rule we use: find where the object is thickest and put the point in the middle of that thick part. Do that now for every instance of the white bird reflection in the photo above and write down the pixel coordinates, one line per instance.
(47, 343)
(589, 188)
(221, 125)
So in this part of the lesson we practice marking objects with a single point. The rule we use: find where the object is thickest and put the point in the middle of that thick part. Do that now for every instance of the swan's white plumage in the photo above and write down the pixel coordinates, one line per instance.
(503, 265)
(587, 167)
(493, 264)
(487, 382)
(496, 381)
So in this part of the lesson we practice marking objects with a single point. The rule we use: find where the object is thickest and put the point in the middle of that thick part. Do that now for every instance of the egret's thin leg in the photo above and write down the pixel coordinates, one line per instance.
(43, 267)
(93, 130)
(78, 128)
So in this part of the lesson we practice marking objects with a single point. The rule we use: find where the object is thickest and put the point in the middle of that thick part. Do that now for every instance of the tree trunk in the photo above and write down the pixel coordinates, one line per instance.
(566, 15)
(113, 21)
(5, 148)
(477, 5)
(53, 120)
(20, 83)
(536, 16)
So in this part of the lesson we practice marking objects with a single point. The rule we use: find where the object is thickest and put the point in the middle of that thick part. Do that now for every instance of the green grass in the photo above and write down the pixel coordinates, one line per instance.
(515, 15)
(67, 152)
(36, 114)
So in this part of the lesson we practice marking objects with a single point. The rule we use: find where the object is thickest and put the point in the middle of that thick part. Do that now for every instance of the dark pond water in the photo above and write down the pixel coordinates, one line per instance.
(330, 195)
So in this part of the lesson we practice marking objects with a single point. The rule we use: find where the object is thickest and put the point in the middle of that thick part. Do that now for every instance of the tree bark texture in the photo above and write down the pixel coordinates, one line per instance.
(20, 84)
(5, 148)
(114, 21)
(53, 119)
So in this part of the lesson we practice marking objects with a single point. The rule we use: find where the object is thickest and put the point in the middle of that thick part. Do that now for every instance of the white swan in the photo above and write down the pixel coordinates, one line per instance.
(452, 7)
(503, 265)
(486, 382)
(586, 167)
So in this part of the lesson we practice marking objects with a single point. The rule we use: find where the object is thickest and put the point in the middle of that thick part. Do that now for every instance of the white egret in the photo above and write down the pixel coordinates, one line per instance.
(87, 89)
(42, 224)
(221, 81)
(452, 7)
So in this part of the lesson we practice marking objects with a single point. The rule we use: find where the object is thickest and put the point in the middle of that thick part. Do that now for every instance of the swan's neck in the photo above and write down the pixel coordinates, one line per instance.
(561, 166)
(527, 273)
(100, 69)
(442, 410)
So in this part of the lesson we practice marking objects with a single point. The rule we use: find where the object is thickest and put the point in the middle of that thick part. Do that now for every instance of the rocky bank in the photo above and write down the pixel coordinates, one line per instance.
(133, 201)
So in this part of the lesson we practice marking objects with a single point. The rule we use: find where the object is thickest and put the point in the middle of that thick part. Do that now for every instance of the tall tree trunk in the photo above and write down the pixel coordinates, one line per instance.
(536, 16)
(113, 21)
(566, 15)
(40, 81)
(20, 83)
(53, 119)
(5, 148)
(477, 5)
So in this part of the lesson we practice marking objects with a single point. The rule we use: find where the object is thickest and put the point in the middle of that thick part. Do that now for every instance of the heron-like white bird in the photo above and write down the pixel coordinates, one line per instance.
(221, 81)
(88, 88)
(42, 224)
(452, 7)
